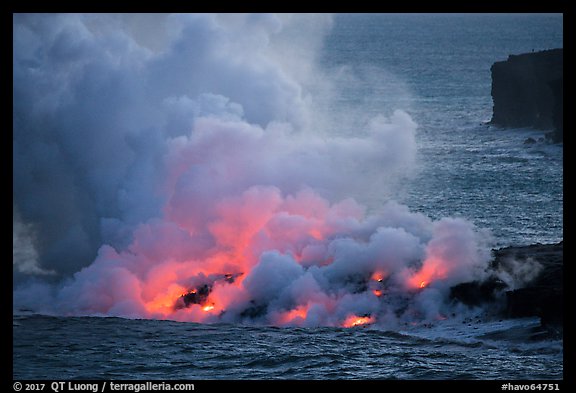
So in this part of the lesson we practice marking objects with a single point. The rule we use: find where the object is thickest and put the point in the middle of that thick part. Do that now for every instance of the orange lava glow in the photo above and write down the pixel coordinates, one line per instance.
(378, 276)
(163, 302)
(432, 269)
(173, 278)
(240, 227)
(354, 320)
(293, 317)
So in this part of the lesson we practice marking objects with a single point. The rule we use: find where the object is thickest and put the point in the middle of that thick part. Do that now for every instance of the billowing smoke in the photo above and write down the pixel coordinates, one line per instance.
(187, 167)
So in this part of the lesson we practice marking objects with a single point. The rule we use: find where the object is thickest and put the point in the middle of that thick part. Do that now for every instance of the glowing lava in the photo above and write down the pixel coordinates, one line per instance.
(293, 317)
(378, 276)
(432, 269)
(354, 320)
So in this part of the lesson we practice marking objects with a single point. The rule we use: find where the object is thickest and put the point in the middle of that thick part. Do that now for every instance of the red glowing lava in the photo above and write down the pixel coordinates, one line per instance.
(378, 276)
(292, 317)
(267, 258)
(432, 269)
(354, 320)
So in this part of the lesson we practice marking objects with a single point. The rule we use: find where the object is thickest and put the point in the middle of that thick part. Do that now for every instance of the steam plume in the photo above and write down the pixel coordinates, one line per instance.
(193, 174)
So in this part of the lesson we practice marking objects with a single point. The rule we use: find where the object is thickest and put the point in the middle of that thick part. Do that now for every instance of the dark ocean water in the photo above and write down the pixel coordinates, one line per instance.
(114, 348)
(436, 68)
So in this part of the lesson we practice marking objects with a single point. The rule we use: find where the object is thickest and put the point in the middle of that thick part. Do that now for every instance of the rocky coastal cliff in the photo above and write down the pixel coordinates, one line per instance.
(527, 91)
(524, 282)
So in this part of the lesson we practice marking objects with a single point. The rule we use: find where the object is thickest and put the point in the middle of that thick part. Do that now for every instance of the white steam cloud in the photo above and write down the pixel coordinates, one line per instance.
(185, 167)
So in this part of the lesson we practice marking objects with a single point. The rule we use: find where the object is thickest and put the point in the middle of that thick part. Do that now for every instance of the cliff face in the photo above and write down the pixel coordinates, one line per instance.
(527, 92)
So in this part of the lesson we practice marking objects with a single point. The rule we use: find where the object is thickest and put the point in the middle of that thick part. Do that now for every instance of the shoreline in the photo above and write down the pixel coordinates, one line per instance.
(523, 281)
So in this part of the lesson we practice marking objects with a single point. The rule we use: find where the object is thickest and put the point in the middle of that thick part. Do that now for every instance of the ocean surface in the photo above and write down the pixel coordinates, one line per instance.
(77, 348)
(437, 69)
